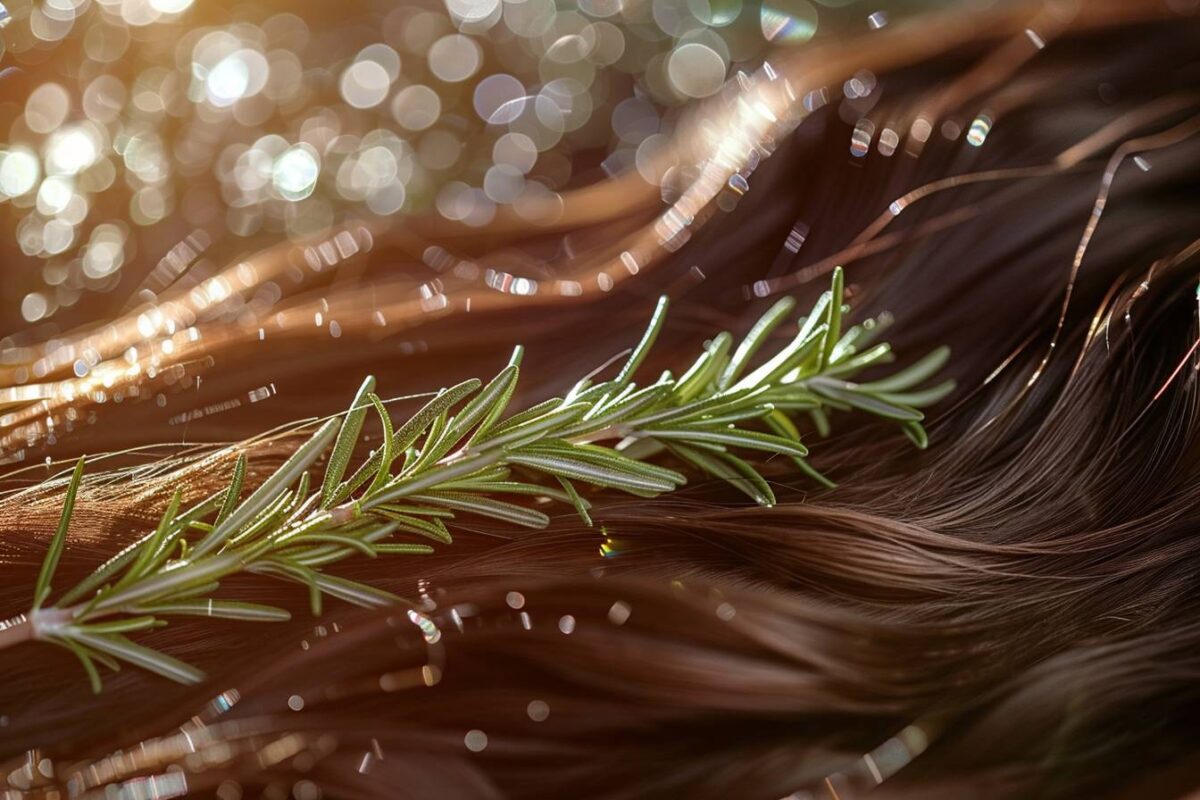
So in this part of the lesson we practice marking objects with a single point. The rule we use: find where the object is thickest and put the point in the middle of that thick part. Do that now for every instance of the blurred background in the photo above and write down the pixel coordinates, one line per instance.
(208, 206)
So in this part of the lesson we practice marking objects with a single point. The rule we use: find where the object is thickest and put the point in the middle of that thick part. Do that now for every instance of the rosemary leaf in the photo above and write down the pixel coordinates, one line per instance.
(50, 563)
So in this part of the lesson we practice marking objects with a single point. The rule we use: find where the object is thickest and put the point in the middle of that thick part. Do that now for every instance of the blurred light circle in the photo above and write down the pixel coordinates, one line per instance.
(57, 236)
(673, 17)
(105, 253)
(530, 18)
(503, 183)
(71, 150)
(572, 99)
(19, 172)
(416, 107)
(610, 44)
(384, 56)
(696, 70)
(104, 98)
(454, 58)
(149, 205)
(601, 8)
(295, 172)
(240, 74)
(571, 48)
(170, 6)
(547, 106)
(54, 195)
(472, 10)
(499, 99)
(365, 84)
(439, 149)
(788, 20)
(515, 150)
(716, 13)
(47, 107)
(388, 199)
(455, 200)
(634, 119)
(34, 307)
(649, 158)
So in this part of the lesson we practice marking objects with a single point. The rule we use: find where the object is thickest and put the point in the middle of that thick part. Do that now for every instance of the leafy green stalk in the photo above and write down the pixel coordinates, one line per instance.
(459, 454)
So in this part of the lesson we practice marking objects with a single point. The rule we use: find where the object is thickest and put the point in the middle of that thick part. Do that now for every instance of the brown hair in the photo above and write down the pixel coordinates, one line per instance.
(1011, 613)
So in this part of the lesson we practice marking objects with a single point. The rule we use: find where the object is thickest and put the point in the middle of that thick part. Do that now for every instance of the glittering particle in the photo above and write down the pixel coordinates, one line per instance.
(795, 238)
(476, 740)
(725, 612)
(610, 547)
(921, 129)
(788, 20)
(431, 674)
(538, 710)
(860, 139)
(981, 126)
(877, 20)
(1141, 163)
(429, 630)
(1037, 40)
(295, 702)
(515, 600)
(860, 85)
(618, 613)
(566, 624)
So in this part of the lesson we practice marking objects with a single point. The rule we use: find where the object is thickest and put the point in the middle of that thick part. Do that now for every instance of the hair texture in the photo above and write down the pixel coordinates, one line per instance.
(1011, 613)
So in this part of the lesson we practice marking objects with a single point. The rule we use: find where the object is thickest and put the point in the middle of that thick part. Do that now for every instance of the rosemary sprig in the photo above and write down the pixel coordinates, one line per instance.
(443, 462)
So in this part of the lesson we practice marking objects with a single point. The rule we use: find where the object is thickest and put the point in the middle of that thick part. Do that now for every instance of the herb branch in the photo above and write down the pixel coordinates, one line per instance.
(460, 454)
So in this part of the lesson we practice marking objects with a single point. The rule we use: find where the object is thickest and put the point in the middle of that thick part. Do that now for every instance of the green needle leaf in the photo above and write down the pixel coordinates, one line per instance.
(909, 377)
(234, 492)
(729, 468)
(732, 437)
(347, 438)
(121, 648)
(854, 396)
(754, 340)
(50, 563)
(485, 407)
(833, 329)
(85, 658)
(643, 347)
(581, 505)
(384, 474)
(291, 469)
(217, 609)
(487, 507)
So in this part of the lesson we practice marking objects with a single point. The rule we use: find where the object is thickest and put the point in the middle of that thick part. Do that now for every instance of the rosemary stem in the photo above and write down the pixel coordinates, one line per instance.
(15, 630)
(34, 625)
